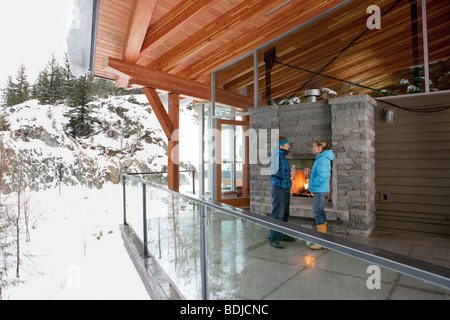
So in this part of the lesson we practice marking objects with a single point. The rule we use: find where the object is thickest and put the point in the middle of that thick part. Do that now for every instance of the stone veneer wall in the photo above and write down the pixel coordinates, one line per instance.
(348, 123)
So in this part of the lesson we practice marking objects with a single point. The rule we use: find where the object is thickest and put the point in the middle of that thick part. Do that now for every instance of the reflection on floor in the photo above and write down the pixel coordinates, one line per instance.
(242, 265)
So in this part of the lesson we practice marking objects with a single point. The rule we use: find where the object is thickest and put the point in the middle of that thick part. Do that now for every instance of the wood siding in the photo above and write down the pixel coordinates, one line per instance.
(413, 167)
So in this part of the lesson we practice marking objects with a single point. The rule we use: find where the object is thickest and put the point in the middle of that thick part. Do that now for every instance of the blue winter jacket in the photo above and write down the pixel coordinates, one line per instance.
(279, 169)
(319, 180)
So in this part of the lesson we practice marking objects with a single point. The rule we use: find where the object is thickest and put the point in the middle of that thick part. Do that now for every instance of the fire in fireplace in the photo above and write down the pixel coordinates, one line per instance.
(300, 183)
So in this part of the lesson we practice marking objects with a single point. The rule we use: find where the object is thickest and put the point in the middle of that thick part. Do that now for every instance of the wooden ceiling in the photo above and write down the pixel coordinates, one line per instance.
(379, 59)
(174, 45)
(189, 39)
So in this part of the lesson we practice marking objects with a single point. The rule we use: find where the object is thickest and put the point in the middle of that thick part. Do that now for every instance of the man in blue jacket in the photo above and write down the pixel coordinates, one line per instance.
(281, 186)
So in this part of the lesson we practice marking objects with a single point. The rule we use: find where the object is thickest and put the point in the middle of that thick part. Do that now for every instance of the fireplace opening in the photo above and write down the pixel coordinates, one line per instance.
(301, 183)
(299, 189)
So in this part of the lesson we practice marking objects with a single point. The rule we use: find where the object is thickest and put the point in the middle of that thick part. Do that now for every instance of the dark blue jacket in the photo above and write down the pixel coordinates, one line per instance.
(279, 169)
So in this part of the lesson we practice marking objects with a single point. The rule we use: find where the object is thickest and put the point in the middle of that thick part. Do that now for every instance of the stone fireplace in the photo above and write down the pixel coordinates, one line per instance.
(348, 125)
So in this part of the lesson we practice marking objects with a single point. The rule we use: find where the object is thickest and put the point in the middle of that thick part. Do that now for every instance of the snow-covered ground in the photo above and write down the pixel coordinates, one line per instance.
(76, 251)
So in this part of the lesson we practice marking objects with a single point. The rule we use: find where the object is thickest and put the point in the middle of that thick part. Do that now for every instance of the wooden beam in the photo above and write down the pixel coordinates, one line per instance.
(174, 21)
(139, 21)
(170, 124)
(122, 81)
(232, 99)
(140, 16)
(173, 149)
(160, 111)
(164, 81)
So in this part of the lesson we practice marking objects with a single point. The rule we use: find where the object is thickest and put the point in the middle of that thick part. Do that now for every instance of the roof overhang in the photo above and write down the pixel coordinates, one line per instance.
(176, 45)
(190, 39)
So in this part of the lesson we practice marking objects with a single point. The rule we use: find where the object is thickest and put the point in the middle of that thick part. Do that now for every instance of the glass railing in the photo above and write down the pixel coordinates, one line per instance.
(214, 251)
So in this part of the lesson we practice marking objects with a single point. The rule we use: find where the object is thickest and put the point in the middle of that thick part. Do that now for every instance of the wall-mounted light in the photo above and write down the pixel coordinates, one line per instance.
(389, 115)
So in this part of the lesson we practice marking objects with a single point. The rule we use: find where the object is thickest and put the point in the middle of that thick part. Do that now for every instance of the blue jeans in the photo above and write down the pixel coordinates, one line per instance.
(319, 208)
(280, 208)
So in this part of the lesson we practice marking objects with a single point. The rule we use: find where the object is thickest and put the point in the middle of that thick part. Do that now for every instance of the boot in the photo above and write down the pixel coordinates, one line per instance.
(321, 228)
(276, 244)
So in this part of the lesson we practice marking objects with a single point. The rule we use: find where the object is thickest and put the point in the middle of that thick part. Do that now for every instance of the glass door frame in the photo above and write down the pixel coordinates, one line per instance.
(245, 199)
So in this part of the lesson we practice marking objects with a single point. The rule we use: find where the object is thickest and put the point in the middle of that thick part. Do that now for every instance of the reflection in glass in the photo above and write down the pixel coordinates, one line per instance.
(242, 265)
(340, 56)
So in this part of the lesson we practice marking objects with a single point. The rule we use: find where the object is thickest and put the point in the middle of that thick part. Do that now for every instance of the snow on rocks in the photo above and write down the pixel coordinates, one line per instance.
(128, 137)
(76, 251)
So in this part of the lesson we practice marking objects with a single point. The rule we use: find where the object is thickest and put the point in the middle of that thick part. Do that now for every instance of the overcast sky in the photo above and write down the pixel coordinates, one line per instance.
(30, 32)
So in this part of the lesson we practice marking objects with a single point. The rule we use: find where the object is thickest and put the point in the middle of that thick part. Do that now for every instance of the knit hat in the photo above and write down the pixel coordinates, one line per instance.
(282, 141)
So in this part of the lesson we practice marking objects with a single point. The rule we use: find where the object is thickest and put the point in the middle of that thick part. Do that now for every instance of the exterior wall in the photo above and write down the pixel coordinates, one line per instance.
(413, 165)
(348, 124)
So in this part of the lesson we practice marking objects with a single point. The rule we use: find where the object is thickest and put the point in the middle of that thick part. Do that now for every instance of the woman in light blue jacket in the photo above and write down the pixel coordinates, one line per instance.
(319, 184)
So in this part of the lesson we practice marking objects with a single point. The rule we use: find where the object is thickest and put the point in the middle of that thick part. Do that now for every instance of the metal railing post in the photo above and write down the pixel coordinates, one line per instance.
(193, 181)
(124, 181)
(203, 252)
(144, 222)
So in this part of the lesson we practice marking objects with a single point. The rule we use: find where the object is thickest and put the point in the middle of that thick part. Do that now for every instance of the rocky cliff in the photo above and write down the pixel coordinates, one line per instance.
(37, 150)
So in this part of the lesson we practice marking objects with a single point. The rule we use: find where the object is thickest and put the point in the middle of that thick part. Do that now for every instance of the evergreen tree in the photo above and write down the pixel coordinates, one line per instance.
(50, 86)
(40, 88)
(80, 91)
(9, 93)
(23, 86)
(16, 92)
(80, 116)
(67, 76)
(102, 88)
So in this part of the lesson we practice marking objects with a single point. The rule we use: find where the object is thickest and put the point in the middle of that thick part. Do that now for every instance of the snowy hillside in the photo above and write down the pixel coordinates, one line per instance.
(68, 242)
(128, 137)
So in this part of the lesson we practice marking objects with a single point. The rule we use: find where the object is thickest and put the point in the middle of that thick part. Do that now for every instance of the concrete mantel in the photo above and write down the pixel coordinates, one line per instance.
(353, 99)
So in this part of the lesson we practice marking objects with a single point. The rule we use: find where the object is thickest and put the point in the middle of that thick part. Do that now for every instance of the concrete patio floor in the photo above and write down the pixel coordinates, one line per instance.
(242, 265)
(427, 247)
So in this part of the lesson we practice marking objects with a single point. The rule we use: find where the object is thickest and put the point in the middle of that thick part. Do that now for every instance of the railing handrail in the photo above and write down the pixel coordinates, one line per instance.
(156, 172)
(162, 172)
(422, 270)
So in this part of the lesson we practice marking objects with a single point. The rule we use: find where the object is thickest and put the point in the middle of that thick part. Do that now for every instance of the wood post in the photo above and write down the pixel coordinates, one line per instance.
(173, 151)
(170, 123)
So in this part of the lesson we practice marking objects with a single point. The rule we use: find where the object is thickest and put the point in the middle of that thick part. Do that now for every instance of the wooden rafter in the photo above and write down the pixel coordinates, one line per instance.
(174, 21)
(287, 81)
(141, 14)
(146, 77)
(228, 52)
(137, 29)
(242, 14)
(191, 39)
